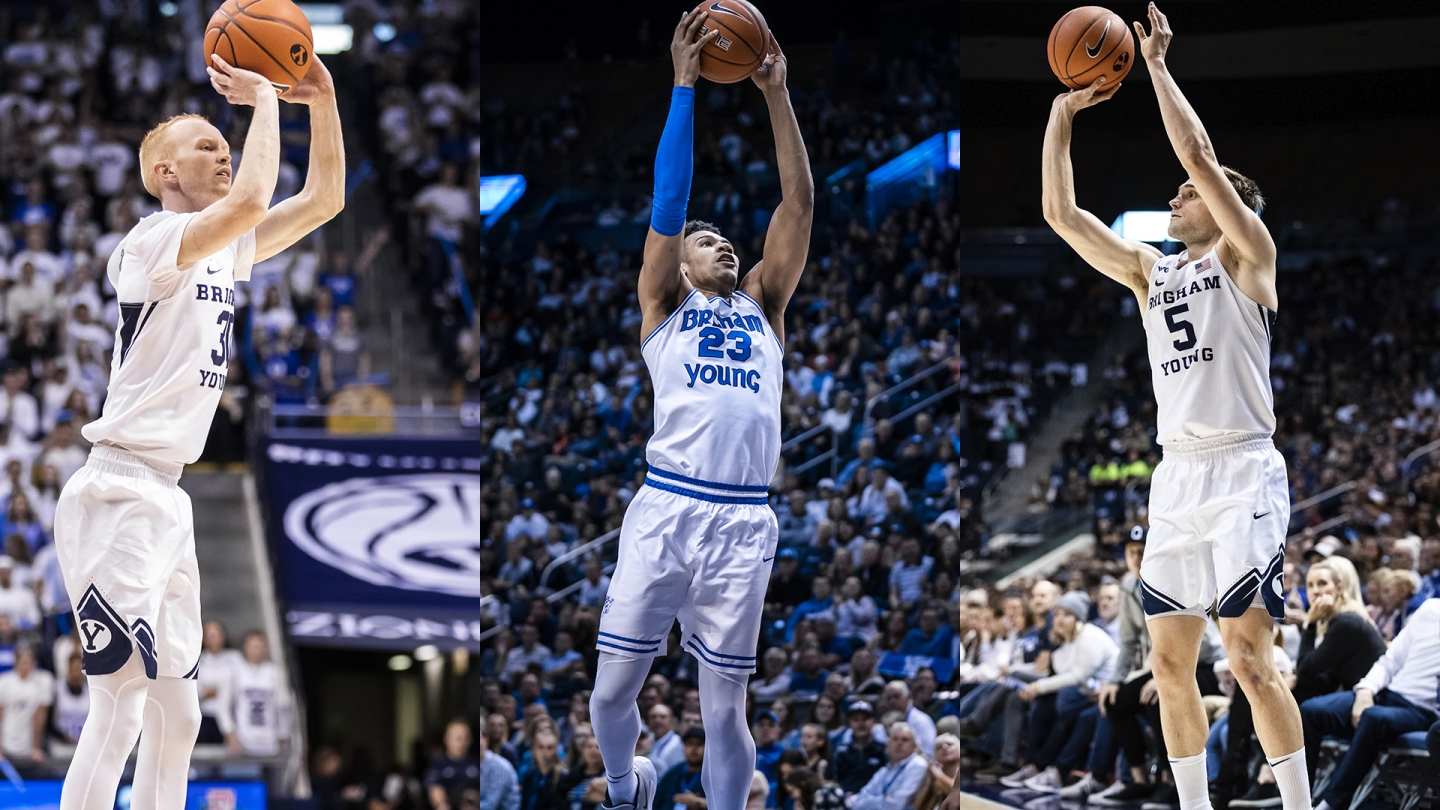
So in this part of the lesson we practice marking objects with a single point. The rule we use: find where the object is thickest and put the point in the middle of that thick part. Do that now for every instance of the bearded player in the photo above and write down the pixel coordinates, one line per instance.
(124, 532)
(1219, 502)
(698, 540)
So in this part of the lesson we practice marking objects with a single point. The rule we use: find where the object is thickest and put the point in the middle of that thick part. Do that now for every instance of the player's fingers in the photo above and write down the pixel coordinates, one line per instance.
(696, 23)
(224, 66)
(1140, 31)
(710, 36)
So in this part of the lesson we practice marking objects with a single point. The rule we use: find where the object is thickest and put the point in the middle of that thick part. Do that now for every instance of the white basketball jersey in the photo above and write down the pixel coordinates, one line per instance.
(174, 341)
(717, 371)
(259, 700)
(1209, 353)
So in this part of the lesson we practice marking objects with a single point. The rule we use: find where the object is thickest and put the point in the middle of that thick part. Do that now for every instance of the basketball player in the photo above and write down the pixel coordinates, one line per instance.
(1219, 503)
(124, 532)
(698, 540)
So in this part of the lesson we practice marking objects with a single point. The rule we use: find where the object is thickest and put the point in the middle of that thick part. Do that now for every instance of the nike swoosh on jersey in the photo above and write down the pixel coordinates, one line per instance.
(211, 272)
(1257, 517)
(768, 559)
(1095, 51)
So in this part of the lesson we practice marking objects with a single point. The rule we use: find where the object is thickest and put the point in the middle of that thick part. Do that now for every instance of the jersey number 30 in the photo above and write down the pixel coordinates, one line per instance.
(221, 356)
(1180, 326)
(711, 339)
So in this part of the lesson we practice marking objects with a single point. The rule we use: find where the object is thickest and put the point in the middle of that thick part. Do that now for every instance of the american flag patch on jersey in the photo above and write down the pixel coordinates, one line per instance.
(1202, 265)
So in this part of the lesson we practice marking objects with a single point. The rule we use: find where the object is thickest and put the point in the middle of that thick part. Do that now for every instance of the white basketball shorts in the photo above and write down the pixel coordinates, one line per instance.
(125, 540)
(1218, 516)
(697, 551)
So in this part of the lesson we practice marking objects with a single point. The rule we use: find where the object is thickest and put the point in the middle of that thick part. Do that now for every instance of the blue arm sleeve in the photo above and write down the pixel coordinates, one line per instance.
(674, 163)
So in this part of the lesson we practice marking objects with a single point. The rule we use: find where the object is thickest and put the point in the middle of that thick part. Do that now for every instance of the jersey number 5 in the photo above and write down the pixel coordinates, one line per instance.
(1180, 326)
(221, 356)
(711, 339)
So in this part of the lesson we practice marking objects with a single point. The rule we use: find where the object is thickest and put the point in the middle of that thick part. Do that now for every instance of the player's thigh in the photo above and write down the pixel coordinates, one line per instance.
(1175, 647)
(650, 580)
(1176, 573)
(179, 630)
(1245, 527)
(723, 611)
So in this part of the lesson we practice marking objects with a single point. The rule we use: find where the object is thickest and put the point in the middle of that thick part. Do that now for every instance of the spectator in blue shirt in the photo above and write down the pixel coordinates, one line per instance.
(931, 638)
(339, 280)
(808, 681)
(766, 731)
(820, 599)
(866, 449)
(907, 574)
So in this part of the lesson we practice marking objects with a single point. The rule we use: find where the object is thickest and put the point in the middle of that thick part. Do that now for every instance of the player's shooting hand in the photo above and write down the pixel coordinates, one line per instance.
(771, 73)
(317, 84)
(1154, 45)
(1098, 91)
(685, 47)
(238, 86)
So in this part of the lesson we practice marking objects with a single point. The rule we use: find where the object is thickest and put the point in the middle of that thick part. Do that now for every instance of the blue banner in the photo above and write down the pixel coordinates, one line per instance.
(44, 794)
(377, 539)
(896, 665)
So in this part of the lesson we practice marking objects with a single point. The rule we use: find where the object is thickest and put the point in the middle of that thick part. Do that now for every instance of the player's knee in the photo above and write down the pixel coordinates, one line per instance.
(1171, 666)
(1251, 666)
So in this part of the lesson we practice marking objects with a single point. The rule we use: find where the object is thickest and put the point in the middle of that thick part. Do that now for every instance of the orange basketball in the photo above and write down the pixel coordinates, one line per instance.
(269, 37)
(1090, 42)
(741, 47)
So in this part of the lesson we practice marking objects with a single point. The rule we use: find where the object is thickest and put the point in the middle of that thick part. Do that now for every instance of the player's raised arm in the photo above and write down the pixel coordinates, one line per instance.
(660, 279)
(323, 196)
(787, 242)
(1245, 235)
(1124, 260)
(235, 214)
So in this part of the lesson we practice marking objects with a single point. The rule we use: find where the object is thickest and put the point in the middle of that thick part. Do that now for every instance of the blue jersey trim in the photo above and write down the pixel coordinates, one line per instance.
(705, 496)
(613, 645)
(637, 641)
(761, 488)
(699, 653)
(668, 319)
(696, 639)
(767, 321)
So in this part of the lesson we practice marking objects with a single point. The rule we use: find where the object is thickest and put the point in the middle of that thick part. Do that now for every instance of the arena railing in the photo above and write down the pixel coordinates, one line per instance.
(312, 421)
(574, 554)
(1415, 455)
(833, 454)
(909, 382)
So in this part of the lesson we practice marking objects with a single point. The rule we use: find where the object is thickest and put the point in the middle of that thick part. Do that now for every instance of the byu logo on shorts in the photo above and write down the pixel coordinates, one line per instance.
(608, 601)
(94, 636)
(417, 532)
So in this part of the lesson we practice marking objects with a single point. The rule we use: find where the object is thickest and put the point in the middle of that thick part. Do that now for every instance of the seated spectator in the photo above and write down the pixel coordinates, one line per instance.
(815, 745)
(863, 679)
(775, 678)
(1390, 593)
(908, 572)
(931, 638)
(668, 750)
(759, 796)
(797, 525)
(897, 698)
(808, 680)
(855, 613)
(943, 773)
(449, 775)
(680, 785)
(766, 731)
(530, 651)
(26, 694)
(1397, 696)
(1340, 643)
(263, 723)
(585, 786)
(541, 778)
(1084, 653)
(17, 600)
(21, 521)
(215, 681)
(892, 787)
(596, 584)
(859, 756)
(808, 791)
(72, 702)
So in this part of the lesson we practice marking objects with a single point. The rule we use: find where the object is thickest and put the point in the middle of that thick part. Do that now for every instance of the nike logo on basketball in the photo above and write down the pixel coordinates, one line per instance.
(1257, 517)
(768, 559)
(1095, 51)
(717, 7)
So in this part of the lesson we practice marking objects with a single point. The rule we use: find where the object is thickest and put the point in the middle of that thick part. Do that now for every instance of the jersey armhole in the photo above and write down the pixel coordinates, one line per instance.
(668, 319)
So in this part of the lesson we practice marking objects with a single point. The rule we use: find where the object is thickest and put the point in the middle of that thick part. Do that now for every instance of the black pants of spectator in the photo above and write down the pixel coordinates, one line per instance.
(1126, 711)
(1432, 742)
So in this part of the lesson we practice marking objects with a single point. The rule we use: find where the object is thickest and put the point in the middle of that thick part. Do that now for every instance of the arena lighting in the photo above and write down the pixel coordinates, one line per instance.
(168, 9)
(952, 152)
(384, 32)
(328, 28)
(912, 174)
(427, 652)
(497, 194)
(1143, 226)
(399, 663)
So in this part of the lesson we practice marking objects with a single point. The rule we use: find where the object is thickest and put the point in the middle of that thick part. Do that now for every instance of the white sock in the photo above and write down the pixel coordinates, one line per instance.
(1324, 805)
(117, 704)
(727, 740)
(1293, 781)
(1191, 782)
(162, 766)
(616, 719)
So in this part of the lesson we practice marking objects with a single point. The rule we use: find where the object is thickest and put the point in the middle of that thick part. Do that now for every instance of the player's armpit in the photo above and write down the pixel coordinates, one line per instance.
(787, 245)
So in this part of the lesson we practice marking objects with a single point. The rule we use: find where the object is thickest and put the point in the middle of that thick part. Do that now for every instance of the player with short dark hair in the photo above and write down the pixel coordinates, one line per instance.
(699, 538)
(1219, 501)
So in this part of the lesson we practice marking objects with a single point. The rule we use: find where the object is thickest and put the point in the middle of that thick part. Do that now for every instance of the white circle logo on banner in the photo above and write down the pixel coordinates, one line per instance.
(417, 532)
